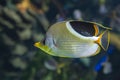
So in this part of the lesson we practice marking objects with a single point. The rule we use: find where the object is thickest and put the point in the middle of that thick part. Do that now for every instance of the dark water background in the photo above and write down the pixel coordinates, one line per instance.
(23, 23)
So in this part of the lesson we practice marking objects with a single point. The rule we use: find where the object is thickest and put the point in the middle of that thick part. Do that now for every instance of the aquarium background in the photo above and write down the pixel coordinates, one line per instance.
(24, 22)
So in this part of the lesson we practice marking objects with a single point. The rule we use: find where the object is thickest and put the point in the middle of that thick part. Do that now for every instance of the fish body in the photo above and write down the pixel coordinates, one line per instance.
(72, 39)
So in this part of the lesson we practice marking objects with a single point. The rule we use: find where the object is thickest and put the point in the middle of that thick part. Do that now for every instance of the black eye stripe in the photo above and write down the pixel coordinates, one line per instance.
(84, 28)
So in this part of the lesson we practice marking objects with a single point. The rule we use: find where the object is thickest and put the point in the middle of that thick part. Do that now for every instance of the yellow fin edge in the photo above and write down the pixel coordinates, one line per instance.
(99, 40)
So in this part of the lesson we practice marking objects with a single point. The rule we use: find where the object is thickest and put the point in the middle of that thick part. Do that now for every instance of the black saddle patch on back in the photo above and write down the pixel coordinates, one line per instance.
(84, 28)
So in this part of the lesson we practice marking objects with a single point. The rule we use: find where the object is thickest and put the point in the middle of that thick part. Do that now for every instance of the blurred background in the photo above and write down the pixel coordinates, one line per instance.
(23, 22)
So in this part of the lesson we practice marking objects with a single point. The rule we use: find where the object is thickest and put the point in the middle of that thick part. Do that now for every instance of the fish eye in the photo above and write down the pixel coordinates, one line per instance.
(84, 28)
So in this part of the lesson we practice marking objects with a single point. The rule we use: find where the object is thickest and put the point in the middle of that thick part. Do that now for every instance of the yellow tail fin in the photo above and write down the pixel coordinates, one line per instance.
(104, 39)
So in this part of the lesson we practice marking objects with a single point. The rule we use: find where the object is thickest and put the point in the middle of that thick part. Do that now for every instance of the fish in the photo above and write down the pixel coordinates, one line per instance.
(53, 65)
(75, 39)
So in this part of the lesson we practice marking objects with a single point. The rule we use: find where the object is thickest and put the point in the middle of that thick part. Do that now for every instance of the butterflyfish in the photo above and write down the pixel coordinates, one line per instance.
(75, 39)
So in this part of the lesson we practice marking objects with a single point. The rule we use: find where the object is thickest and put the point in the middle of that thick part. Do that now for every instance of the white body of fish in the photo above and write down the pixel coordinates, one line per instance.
(66, 42)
